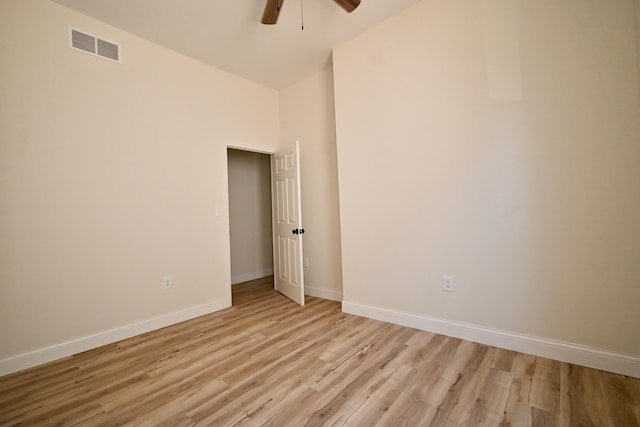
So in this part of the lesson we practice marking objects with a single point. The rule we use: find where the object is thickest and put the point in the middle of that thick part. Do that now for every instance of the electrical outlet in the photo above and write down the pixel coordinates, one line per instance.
(305, 261)
(167, 282)
(447, 284)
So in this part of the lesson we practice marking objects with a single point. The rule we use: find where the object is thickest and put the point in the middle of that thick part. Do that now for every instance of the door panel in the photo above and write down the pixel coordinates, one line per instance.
(288, 231)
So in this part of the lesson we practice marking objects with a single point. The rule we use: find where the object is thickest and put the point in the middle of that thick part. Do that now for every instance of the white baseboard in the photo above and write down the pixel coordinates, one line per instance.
(551, 349)
(69, 348)
(241, 278)
(323, 293)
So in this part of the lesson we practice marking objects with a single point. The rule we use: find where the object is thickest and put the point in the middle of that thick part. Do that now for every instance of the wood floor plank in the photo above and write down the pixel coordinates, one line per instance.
(354, 391)
(491, 406)
(222, 409)
(407, 411)
(449, 405)
(545, 385)
(381, 396)
(289, 411)
(579, 411)
(542, 418)
(268, 362)
(518, 411)
(276, 403)
(193, 395)
(564, 418)
(621, 400)
(428, 385)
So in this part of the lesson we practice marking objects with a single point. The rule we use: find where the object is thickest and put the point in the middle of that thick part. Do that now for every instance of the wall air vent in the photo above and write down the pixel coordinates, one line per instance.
(87, 43)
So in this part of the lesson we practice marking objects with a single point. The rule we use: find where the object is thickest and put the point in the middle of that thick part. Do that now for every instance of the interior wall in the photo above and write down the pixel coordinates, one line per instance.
(307, 114)
(110, 175)
(495, 142)
(250, 215)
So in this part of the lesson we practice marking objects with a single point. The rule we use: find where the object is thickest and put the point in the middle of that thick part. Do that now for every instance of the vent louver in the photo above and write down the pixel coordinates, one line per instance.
(87, 43)
(108, 50)
(83, 41)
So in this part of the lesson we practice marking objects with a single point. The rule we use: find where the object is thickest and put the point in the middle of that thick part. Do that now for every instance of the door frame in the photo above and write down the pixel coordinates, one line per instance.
(228, 219)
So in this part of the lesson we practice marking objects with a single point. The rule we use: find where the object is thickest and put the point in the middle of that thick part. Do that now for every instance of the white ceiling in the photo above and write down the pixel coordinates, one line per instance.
(229, 35)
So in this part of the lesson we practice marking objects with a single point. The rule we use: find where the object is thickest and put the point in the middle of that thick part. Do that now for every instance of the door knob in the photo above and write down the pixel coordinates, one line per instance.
(298, 231)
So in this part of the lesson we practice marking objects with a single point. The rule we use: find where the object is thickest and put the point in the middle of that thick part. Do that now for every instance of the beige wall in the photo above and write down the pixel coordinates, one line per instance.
(109, 178)
(496, 142)
(250, 215)
(307, 114)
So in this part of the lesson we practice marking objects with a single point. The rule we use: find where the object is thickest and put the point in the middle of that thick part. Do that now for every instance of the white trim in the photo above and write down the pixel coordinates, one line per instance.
(241, 278)
(543, 347)
(323, 293)
(69, 348)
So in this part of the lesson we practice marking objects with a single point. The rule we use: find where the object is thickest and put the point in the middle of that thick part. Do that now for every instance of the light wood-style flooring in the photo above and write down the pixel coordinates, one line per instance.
(267, 361)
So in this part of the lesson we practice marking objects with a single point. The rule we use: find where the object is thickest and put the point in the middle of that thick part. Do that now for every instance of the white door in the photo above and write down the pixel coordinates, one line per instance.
(287, 229)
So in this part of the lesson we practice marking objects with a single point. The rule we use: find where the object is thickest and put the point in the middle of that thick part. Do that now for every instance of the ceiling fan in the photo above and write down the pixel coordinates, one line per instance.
(272, 9)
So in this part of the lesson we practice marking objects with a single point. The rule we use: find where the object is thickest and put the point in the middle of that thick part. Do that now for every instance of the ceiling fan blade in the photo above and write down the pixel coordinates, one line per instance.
(271, 11)
(348, 5)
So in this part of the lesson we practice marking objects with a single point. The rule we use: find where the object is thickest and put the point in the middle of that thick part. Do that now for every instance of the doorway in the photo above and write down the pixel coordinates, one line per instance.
(250, 223)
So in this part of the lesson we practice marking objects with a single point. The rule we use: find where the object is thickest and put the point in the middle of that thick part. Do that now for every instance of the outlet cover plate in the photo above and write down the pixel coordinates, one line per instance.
(448, 285)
